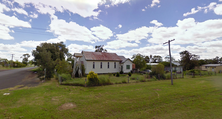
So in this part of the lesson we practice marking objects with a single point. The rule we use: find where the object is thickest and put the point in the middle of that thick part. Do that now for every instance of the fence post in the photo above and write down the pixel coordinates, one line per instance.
(85, 82)
(60, 79)
(45, 74)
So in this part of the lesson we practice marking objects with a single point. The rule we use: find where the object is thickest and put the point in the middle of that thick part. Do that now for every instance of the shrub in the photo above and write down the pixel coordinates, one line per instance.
(93, 79)
(65, 77)
(131, 71)
(114, 74)
(110, 74)
(133, 78)
(154, 78)
(158, 71)
(123, 81)
(129, 74)
(121, 72)
(103, 81)
(117, 74)
(63, 66)
(168, 76)
(142, 80)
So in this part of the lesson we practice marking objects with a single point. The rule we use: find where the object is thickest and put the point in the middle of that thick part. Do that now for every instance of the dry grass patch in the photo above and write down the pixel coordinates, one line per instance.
(67, 106)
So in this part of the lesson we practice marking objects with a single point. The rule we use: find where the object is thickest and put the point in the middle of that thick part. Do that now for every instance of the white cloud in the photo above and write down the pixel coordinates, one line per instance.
(107, 6)
(7, 22)
(9, 47)
(218, 9)
(102, 32)
(156, 23)
(34, 15)
(188, 31)
(120, 26)
(143, 10)
(71, 31)
(3, 7)
(44, 9)
(186, 23)
(31, 44)
(84, 8)
(75, 48)
(116, 44)
(193, 11)
(4, 34)
(130, 39)
(135, 35)
(115, 2)
(20, 11)
(154, 3)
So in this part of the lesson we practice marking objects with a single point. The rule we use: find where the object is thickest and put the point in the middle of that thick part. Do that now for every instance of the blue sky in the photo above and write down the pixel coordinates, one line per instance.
(125, 27)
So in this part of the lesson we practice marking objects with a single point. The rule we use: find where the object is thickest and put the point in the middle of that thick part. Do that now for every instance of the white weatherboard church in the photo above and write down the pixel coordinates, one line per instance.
(103, 62)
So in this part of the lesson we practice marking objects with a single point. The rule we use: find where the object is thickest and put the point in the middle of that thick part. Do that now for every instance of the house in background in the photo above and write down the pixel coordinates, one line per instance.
(103, 62)
(212, 67)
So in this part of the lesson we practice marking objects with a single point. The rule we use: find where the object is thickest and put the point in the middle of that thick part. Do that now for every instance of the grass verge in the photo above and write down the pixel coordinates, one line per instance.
(187, 98)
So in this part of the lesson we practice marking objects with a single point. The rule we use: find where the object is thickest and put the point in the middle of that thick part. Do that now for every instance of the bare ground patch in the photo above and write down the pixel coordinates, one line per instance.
(67, 106)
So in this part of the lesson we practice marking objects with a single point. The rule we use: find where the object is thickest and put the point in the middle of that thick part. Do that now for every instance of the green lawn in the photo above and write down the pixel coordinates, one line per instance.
(194, 98)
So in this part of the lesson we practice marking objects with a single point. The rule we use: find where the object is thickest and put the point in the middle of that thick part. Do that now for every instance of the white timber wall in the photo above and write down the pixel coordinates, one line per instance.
(104, 69)
(127, 62)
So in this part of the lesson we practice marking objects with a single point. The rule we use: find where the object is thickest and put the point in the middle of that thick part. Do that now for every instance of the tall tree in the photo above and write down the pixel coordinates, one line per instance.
(157, 59)
(216, 60)
(167, 58)
(147, 59)
(139, 61)
(188, 60)
(220, 60)
(100, 48)
(46, 55)
(25, 58)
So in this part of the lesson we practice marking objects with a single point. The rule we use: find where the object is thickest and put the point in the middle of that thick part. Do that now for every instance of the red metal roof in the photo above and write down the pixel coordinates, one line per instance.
(101, 56)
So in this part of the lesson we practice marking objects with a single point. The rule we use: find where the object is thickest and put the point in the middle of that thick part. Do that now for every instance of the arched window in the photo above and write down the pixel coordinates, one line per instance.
(101, 65)
(108, 65)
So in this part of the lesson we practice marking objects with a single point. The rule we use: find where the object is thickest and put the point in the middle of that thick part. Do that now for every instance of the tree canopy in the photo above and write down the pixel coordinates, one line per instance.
(46, 55)
(147, 59)
(100, 48)
(157, 59)
(188, 60)
(139, 61)
(25, 58)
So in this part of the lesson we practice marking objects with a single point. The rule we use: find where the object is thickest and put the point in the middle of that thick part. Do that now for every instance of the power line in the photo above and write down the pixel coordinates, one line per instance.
(170, 59)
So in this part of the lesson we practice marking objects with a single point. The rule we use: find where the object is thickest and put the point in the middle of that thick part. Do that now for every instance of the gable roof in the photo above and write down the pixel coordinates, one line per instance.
(101, 56)
(77, 55)
(124, 59)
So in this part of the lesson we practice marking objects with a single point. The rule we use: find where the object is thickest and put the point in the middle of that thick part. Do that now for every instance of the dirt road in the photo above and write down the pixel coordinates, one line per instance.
(22, 76)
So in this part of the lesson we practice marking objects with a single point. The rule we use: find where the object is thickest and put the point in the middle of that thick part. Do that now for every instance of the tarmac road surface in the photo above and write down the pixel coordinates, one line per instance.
(22, 76)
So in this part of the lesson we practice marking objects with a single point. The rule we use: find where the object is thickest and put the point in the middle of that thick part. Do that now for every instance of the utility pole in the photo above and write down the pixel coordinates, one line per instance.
(12, 60)
(170, 60)
(12, 56)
